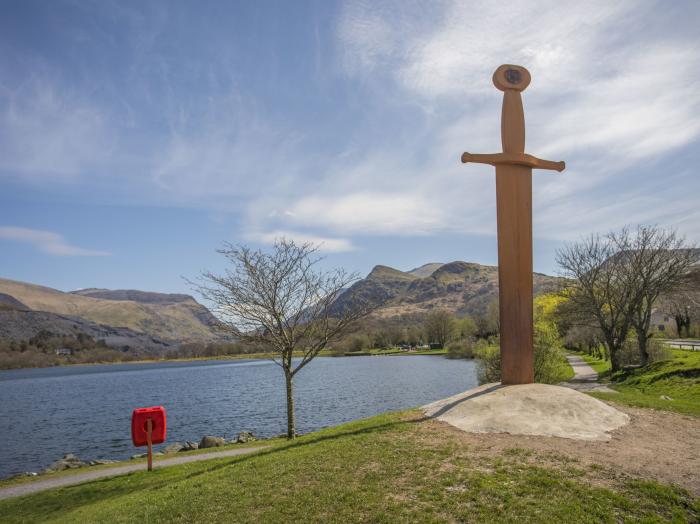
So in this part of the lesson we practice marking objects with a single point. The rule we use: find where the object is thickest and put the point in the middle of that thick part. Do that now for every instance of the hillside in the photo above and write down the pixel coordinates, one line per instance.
(460, 287)
(426, 269)
(18, 324)
(145, 297)
(169, 318)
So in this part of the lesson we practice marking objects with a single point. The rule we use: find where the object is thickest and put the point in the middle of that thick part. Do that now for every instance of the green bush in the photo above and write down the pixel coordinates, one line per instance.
(463, 348)
(488, 368)
(550, 364)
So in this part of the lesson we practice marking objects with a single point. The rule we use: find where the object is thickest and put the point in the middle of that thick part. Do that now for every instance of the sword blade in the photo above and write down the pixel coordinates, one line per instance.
(514, 211)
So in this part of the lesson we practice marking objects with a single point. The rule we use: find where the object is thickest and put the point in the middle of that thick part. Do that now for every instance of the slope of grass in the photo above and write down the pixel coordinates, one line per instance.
(389, 468)
(677, 378)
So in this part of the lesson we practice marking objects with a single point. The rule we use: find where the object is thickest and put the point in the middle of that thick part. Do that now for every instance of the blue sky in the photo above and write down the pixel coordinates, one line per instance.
(136, 137)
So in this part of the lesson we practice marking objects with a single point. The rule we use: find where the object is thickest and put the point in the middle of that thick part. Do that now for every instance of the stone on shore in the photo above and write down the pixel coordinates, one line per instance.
(101, 462)
(529, 409)
(245, 436)
(190, 446)
(69, 461)
(172, 448)
(211, 442)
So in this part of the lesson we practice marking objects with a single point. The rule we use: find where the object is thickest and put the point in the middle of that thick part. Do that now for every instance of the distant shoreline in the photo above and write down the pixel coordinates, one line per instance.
(249, 356)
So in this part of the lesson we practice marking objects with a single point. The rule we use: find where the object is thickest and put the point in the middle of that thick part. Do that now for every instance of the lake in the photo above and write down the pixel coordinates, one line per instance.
(86, 410)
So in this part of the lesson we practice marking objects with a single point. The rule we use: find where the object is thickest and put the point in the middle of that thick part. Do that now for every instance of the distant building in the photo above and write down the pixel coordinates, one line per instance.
(62, 352)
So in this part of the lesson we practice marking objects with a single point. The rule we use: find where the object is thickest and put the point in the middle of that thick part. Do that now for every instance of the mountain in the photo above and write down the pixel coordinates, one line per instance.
(145, 297)
(8, 302)
(22, 324)
(460, 287)
(166, 318)
(426, 269)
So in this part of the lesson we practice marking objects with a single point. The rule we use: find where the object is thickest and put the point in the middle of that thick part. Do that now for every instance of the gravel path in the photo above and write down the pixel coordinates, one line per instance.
(48, 483)
(585, 377)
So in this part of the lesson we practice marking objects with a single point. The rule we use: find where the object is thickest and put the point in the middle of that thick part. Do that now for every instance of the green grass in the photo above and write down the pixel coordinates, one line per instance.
(390, 468)
(566, 372)
(678, 378)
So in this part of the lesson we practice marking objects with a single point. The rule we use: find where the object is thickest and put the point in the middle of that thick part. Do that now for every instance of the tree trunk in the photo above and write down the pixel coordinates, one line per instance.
(682, 322)
(291, 423)
(642, 340)
(615, 364)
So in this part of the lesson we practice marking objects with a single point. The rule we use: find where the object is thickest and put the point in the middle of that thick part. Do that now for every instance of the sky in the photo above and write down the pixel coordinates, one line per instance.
(137, 137)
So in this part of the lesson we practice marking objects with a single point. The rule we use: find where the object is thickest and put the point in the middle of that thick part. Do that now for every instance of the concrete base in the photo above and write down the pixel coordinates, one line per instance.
(529, 409)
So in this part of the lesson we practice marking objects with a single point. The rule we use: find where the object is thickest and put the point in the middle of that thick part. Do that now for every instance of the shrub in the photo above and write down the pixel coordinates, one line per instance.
(549, 362)
(488, 368)
(463, 348)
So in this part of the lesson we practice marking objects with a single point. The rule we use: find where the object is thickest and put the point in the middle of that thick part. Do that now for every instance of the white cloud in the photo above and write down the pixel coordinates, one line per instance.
(369, 213)
(47, 242)
(48, 132)
(611, 90)
(329, 245)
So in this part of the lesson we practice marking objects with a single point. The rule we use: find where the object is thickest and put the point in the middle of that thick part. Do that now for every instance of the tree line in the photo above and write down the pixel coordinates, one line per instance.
(617, 281)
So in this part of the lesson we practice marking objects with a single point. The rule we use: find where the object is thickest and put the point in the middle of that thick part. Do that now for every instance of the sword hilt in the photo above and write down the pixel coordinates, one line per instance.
(518, 159)
(512, 79)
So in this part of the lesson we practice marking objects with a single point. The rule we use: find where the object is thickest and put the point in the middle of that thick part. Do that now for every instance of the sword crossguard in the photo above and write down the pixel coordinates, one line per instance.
(518, 159)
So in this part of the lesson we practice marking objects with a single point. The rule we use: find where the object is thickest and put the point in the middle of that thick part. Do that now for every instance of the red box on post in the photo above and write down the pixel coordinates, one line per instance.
(139, 430)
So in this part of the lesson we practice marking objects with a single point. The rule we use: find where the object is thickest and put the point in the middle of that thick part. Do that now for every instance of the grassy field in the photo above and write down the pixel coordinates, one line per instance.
(678, 379)
(390, 468)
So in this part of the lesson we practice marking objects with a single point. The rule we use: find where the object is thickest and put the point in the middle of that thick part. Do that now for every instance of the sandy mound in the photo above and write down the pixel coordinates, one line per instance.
(529, 409)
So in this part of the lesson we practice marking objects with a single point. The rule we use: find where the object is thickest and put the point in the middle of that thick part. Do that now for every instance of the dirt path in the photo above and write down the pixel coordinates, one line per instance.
(582, 371)
(585, 377)
(655, 444)
(48, 483)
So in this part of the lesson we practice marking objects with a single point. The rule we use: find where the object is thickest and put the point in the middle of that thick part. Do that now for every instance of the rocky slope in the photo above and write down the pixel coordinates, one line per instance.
(160, 317)
(460, 287)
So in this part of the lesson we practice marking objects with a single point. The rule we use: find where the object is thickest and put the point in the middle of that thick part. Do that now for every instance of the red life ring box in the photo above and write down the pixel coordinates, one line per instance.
(139, 427)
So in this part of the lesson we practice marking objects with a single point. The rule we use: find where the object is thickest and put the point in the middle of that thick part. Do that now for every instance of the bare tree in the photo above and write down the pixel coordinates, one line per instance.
(601, 290)
(683, 303)
(439, 327)
(280, 300)
(657, 260)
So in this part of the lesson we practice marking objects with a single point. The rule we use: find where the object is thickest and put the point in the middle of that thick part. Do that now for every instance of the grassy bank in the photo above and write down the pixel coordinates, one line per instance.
(388, 468)
(671, 385)
(385, 352)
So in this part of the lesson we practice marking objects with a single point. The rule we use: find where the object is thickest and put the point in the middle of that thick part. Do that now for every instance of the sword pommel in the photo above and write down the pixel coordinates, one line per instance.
(511, 77)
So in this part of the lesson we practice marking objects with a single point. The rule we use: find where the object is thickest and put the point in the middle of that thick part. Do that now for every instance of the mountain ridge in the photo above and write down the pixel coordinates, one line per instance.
(157, 315)
(463, 288)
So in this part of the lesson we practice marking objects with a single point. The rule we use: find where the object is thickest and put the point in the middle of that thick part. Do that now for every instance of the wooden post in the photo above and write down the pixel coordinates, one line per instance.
(149, 441)
(514, 216)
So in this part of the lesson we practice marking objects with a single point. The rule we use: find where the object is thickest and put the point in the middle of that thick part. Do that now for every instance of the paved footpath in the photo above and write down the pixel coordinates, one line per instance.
(585, 377)
(69, 480)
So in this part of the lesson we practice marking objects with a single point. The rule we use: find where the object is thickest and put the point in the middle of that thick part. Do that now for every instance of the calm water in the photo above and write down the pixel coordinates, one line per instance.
(86, 410)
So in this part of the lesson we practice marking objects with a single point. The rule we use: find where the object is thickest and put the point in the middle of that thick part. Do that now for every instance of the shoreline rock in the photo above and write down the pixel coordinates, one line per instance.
(245, 436)
(69, 461)
(209, 441)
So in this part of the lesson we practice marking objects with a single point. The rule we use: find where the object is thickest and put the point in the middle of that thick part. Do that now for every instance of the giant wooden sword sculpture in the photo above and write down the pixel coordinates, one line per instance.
(514, 216)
